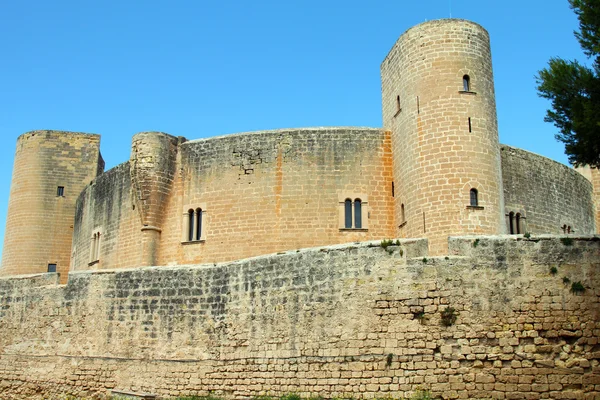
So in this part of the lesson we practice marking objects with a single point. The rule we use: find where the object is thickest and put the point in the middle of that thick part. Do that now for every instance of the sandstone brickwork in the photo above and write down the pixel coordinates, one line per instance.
(260, 193)
(349, 320)
(39, 226)
(444, 136)
(593, 175)
(550, 195)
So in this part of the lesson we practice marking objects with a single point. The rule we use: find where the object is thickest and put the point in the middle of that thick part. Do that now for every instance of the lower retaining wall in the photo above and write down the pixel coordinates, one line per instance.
(353, 320)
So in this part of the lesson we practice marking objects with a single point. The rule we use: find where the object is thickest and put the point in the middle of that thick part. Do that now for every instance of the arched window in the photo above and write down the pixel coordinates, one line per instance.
(466, 83)
(357, 214)
(511, 223)
(518, 223)
(198, 223)
(95, 248)
(348, 214)
(190, 225)
(474, 200)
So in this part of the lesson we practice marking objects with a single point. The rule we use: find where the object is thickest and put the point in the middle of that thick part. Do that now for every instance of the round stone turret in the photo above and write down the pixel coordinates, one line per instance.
(51, 169)
(439, 104)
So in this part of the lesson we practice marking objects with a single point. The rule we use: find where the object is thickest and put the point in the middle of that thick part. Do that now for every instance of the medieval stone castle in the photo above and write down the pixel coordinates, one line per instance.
(435, 170)
(193, 268)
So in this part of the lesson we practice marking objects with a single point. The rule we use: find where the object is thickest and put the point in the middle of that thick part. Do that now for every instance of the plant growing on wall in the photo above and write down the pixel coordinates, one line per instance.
(449, 315)
(577, 287)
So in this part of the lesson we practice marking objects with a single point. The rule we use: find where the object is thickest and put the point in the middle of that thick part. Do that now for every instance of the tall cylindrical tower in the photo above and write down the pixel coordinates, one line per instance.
(438, 102)
(51, 169)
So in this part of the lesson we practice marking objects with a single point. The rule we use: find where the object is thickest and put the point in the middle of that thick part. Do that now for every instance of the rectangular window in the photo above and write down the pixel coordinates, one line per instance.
(51, 267)
(60, 191)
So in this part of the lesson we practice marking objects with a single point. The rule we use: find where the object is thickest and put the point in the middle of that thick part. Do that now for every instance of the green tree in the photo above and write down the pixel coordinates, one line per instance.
(574, 90)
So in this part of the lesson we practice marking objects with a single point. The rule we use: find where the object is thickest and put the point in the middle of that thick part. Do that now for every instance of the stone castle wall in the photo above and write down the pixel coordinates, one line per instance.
(349, 320)
(39, 224)
(593, 175)
(106, 207)
(550, 195)
(259, 193)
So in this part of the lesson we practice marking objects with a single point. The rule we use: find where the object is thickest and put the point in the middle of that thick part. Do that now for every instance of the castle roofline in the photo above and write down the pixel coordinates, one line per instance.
(56, 131)
(432, 22)
(290, 130)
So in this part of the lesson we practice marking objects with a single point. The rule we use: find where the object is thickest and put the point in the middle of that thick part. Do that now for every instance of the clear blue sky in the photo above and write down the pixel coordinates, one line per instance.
(205, 68)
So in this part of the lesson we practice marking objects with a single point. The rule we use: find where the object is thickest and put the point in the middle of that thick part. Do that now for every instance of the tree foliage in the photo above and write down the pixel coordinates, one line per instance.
(574, 90)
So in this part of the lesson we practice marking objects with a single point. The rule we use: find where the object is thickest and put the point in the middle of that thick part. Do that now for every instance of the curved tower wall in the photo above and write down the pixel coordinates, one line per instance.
(39, 224)
(444, 138)
(152, 170)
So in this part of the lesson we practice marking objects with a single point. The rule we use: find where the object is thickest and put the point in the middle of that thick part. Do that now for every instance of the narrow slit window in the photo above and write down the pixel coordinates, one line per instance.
(474, 201)
(190, 225)
(393, 191)
(357, 214)
(97, 247)
(518, 223)
(348, 214)
(398, 108)
(60, 191)
(469, 124)
(94, 244)
(198, 223)
(466, 83)
(511, 222)
(402, 215)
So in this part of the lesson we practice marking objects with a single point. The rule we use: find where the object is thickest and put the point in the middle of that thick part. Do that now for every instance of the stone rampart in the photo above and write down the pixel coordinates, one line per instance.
(348, 320)
(548, 194)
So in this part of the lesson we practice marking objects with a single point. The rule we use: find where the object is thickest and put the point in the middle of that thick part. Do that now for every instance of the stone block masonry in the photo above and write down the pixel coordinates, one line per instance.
(348, 320)
(39, 224)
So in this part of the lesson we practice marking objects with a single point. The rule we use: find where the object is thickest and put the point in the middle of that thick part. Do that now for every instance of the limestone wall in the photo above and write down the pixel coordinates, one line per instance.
(271, 191)
(259, 193)
(39, 224)
(349, 320)
(593, 175)
(549, 194)
(106, 208)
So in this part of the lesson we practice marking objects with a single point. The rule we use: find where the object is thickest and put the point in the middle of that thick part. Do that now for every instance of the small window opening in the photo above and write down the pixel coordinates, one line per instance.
(348, 214)
(518, 223)
(511, 223)
(398, 108)
(393, 193)
(198, 223)
(418, 106)
(60, 191)
(95, 247)
(402, 215)
(51, 267)
(466, 83)
(357, 214)
(469, 124)
(474, 200)
(190, 225)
